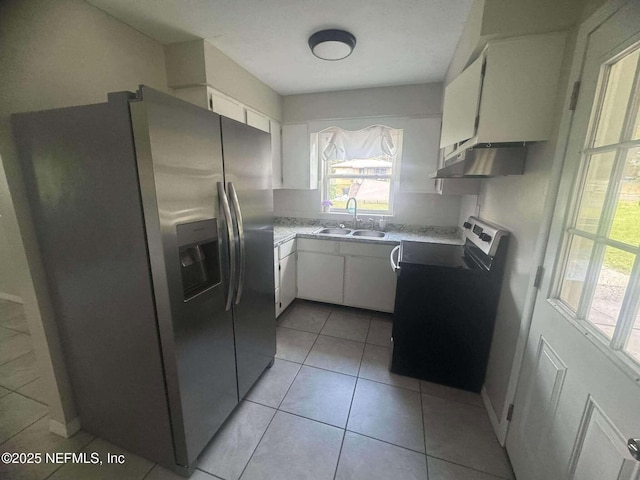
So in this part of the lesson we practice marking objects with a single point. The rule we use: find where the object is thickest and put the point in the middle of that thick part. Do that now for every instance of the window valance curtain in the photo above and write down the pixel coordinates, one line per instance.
(373, 141)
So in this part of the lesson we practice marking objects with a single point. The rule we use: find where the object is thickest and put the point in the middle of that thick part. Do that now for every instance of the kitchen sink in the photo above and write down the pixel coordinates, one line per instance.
(368, 233)
(334, 231)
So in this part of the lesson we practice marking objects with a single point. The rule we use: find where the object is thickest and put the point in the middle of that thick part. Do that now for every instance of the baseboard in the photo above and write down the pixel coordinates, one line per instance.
(10, 297)
(65, 430)
(500, 429)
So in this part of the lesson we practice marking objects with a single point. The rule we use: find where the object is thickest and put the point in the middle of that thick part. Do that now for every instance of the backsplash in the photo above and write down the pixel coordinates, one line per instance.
(395, 227)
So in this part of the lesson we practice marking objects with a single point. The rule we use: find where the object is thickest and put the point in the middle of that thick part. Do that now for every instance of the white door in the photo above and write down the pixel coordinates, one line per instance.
(578, 397)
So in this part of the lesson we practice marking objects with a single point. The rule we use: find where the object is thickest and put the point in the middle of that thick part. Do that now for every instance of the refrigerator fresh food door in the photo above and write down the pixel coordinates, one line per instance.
(179, 158)
(248, 179)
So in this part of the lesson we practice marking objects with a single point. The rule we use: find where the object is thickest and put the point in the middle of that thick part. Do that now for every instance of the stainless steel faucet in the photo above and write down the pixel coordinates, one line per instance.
(355, 210)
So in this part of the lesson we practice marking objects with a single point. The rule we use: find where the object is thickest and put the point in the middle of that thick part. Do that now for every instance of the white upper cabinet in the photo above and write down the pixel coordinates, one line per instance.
(259, 121)
(507, 95)
(299, 158)
(460, 108)
(227, 106)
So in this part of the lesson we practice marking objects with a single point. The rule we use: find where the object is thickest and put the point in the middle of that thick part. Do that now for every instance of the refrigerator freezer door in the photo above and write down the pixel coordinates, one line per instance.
(247, 155)
(179, 159)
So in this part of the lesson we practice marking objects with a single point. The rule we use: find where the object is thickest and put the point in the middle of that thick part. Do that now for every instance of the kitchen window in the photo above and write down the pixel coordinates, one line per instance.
(363, 164)
(600, 271)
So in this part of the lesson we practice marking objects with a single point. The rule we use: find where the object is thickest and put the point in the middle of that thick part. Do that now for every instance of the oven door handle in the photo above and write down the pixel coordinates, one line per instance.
(395, 266)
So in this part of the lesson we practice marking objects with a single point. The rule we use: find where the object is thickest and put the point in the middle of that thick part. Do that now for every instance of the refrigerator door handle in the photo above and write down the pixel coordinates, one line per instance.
(240, 225)
(226, 210)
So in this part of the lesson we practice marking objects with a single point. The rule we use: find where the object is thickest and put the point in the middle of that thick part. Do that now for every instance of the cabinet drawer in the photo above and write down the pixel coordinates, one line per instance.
(311, 245)
(366, 249)
(287, 248)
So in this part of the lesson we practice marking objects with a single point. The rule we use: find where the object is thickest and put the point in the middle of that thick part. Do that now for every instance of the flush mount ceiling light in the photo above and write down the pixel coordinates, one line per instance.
(332, 44)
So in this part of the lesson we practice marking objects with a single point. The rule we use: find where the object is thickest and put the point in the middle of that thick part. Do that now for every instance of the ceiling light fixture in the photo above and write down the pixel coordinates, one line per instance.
(332, 44)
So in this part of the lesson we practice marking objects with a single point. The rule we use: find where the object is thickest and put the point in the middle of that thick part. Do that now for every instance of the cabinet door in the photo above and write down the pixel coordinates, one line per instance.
(460, 107)
(419, 155)
(276, 263)
(278, 303)
(227, 107)
(520, 88)
(287, 280)
(369, 283)
(299, 166)
(276, 154)
(320, 277)
(259, 121)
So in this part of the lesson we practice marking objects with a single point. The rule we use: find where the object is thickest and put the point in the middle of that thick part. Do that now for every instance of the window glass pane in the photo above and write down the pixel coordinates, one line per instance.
(633, 344)
(575, 271)
(371, 193)
(616, 100)
(609, 292)
(594, 191)
(626, 221)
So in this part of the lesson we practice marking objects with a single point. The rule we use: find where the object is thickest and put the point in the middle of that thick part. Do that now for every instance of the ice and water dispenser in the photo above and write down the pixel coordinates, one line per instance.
(199, 256)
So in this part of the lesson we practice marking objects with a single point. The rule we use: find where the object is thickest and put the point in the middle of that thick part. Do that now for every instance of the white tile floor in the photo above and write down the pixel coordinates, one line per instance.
(327, 409)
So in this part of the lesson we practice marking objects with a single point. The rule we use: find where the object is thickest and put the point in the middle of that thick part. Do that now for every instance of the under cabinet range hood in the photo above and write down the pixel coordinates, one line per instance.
(485, 160)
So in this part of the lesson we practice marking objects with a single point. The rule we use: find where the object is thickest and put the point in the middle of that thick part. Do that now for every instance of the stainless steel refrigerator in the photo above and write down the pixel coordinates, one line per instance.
(154, 221)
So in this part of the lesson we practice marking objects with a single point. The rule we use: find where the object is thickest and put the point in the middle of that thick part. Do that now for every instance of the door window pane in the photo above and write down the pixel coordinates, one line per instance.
(626, 221)
(610, 289)
(616, 99)
(575, 271)
(594, 191)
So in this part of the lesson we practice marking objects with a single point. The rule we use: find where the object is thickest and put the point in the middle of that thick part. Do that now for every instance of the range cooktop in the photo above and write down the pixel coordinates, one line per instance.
(435, 254)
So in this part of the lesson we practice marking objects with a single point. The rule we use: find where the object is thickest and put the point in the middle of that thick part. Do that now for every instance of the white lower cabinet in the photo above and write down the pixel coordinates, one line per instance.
(287, 280)
(355, 274)
(320, 277)
(369, 283)
(285, 275)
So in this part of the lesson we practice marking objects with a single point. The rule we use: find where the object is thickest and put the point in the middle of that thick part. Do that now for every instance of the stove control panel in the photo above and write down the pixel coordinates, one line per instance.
(485, 235)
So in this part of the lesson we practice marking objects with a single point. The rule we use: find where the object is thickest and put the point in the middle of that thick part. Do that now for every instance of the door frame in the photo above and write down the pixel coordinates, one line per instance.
(501, 424)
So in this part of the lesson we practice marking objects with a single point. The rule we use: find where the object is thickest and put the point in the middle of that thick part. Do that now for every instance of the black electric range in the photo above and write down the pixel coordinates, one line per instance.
(446, 301)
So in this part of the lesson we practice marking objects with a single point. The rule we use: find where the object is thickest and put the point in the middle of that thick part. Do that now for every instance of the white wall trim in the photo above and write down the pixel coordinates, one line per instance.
(65, 430)
(499, 428)
(584, 30)
(11, 297)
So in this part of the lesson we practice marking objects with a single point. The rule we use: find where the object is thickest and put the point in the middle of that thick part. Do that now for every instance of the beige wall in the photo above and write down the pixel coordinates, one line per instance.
(55, 54)
(408, 100)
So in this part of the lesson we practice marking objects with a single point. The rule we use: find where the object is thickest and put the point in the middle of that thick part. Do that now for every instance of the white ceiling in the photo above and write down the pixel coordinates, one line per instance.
(399, 42)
